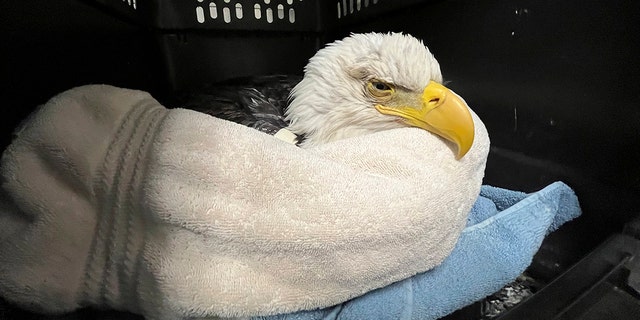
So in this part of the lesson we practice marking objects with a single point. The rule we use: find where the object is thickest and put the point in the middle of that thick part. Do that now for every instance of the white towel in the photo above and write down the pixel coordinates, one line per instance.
(111, 200)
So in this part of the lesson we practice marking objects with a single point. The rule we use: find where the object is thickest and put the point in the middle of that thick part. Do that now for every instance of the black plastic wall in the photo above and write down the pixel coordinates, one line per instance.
(52, 46)
(194, 58)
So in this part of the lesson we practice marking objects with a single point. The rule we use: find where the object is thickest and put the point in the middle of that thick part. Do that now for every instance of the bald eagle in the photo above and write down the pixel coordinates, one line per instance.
(361, 84)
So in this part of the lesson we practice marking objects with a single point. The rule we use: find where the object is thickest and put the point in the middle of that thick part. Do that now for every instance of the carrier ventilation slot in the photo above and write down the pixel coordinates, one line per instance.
(228, 11)
(131, 3)
(347, 7)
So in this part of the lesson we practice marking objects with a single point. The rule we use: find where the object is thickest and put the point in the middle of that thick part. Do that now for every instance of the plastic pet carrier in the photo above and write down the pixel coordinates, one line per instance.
(554, 82)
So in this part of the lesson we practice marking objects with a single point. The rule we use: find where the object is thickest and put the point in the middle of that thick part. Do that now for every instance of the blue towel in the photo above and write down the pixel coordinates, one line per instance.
(504, 231)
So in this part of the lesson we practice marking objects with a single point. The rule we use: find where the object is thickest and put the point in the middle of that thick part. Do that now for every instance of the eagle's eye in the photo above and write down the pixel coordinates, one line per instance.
(379, 88)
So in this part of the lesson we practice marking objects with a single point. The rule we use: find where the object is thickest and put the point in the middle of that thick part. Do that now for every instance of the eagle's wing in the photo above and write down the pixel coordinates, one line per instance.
(256, 102)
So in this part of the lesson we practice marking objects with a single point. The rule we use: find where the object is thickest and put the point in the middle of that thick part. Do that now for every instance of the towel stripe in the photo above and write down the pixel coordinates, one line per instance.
(110, 268)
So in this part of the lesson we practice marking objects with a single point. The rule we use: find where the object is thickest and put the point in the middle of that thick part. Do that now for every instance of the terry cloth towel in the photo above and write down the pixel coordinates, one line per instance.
(504, 231)
(111, 200)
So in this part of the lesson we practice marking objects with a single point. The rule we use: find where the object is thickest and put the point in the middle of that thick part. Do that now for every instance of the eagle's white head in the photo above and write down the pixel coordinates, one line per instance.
(371, 82)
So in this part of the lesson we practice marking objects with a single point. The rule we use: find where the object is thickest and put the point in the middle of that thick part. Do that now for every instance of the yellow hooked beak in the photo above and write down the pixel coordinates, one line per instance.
(441, 112)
